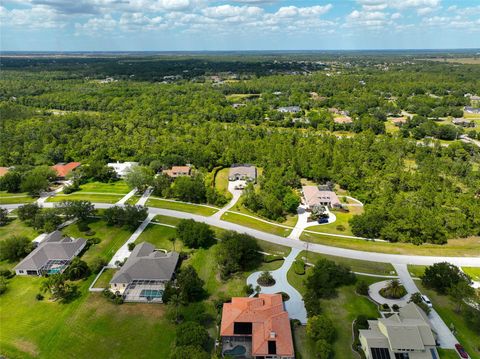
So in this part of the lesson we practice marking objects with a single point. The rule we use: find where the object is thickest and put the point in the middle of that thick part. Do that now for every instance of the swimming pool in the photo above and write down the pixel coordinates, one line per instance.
(236, 351)
(151, 293)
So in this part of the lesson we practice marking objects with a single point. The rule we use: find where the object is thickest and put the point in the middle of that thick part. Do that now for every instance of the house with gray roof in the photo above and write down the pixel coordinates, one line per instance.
(406, 334)
(51, 256)
(243, 172)
(144, 275)
(289, 109)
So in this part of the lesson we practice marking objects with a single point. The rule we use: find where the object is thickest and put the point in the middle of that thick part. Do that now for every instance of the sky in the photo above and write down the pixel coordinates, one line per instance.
(210, 25)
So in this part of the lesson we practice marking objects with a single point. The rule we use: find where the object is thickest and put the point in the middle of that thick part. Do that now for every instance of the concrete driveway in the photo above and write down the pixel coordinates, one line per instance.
(294, 306)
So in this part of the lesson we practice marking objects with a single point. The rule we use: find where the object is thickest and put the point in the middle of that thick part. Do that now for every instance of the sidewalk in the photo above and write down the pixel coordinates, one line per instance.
(127, 196)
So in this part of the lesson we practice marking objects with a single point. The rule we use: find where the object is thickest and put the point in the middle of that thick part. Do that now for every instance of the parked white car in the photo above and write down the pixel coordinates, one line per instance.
(427, 301)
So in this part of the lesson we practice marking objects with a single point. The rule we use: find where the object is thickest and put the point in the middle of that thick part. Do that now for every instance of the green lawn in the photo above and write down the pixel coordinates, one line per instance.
(105, 277)
(416, 270)
(356, 265)
(88, 327)
(455, 247)
(342, 310)
(342, 220)
(445, 308)
(18, 228)
(159, 236)
(180, 206)
(473, 272)
(112, 238)
(221, 182)
(447, 353)
(13, 198)
(134, 199)
(119, 187)
(256, 224)
(95, 198)
(173, 221)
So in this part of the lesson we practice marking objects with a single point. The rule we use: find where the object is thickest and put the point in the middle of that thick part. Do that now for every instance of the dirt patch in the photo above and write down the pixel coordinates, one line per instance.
(26, 347)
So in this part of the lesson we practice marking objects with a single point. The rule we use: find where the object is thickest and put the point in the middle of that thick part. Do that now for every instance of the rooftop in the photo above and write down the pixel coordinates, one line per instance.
(269, 323)
(314, 196)
(63, 169)
(145, 263)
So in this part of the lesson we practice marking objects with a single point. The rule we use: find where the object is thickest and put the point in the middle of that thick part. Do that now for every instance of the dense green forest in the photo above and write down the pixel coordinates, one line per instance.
(57, 111)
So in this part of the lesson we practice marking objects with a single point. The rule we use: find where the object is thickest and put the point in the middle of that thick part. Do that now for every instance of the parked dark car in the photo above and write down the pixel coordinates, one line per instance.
(461, 351)
(322, 220)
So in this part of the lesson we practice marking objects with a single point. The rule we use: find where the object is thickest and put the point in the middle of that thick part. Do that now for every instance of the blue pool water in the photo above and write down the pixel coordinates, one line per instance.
(151, 293)
(237, 350)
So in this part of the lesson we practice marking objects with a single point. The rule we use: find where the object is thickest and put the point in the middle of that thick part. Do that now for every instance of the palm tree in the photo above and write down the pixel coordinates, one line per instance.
(395, 289)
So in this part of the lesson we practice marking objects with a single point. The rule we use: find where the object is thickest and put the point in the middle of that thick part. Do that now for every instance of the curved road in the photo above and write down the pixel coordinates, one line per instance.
(473, 261)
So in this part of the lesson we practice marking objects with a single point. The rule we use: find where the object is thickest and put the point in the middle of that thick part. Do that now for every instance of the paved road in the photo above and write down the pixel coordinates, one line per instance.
(313, 247)
(294, 306)
(445, 337)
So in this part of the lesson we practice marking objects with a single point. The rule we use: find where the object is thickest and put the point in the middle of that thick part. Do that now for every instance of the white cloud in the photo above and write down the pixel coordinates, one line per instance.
(223, 11)
(396, 16)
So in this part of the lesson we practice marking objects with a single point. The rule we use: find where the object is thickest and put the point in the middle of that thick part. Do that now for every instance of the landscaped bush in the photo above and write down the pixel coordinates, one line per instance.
(385, 306)
(299, 267)
(269, 258)
(395, 307)
(266, 279)
(97, 265)
(112, 297)
(285, 296)
(131, 246)
(92, 241)
(248, 289)
(39, 297)
(362, 287)
(394, 290)
(7, 274)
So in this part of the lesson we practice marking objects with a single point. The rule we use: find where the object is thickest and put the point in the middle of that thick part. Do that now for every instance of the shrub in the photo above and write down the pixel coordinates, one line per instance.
(97, 265)
(362, 287)
(131, 246)
(266, 279)
(14, 248)
(299, 267)
(395, 307)
(7, 274)
(83, 226)
(248, 289)
(112, 297)
(341, 228)
(269, 258)
(394, 290)
(39, 297)
(385, 306)
(362, 322)
(92, 241)
(320, 327)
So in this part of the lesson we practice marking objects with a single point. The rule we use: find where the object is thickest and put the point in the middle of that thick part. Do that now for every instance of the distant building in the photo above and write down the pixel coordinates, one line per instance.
(64, 169)
(406, 334)
(178, 171)
(243, 172)
(4, 171)
(238, 105)
(469, 109)
(144, 275)
(314, 197)
(256, 328)
(289, 109)
(344, 120)
(122, 168)
(52, 255)
(463, 122)
(398, 121)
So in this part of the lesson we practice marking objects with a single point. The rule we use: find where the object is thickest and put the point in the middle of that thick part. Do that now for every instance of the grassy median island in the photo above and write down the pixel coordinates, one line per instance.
(79, 196)
(88, 327)
(463, 247)
(13, 198)
(257, 224)
(202, 210)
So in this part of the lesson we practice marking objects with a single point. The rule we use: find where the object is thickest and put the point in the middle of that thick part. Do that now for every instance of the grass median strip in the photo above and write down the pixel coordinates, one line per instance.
(181, 206)
(455, 248)
(256, 224)
(95, 198)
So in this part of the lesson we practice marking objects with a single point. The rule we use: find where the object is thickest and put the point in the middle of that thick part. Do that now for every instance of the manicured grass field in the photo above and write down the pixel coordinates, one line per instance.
(445, 308)
(221, 182)
(455, 247)
(416, 270)
(173, 221)
(473, 272)
(105, 278)
(119, 187)
(342, 220)
(88, 327)
(256, 224)
(112, 238)
(447, 353)
(13, 198)
(159, 236)
(95, 198)
(356, 265)
(18, 228)
(181, 206)
(134, 199)
(342, 310)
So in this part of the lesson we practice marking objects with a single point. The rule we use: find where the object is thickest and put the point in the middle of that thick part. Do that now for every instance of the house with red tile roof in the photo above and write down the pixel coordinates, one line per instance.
(3, 171)
(63, 169)
(256, 328)
(178, 171)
